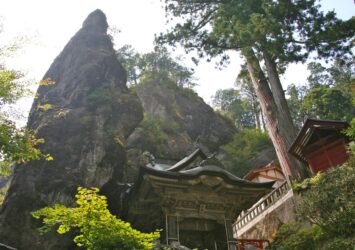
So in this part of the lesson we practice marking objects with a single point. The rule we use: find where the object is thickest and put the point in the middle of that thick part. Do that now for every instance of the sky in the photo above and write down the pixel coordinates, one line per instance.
(51, 24)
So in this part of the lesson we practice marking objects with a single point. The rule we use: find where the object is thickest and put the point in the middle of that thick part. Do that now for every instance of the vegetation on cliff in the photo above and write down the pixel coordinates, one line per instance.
(246, 144)
(158, 64)
(176, 118)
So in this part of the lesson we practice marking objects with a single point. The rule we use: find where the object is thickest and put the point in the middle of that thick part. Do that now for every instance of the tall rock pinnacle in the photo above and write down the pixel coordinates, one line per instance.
(96, 22)
(84, 112)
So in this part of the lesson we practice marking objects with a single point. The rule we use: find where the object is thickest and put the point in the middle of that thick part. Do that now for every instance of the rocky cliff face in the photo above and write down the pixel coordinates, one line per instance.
(84, 113)
(93, 127)
(188, 111)
(175, 122)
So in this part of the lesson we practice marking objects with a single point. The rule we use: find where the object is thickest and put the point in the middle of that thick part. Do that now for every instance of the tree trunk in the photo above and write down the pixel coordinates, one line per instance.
(277, 128)
(279, 96)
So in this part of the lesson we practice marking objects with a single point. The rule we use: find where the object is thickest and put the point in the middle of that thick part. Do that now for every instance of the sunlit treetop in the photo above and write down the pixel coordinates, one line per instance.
(289, 30)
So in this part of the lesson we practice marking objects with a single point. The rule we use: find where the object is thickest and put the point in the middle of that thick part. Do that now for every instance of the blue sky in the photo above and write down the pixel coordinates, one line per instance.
(344, 8)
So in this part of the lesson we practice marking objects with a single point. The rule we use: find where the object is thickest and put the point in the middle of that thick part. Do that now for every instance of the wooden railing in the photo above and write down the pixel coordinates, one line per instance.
(246, 216)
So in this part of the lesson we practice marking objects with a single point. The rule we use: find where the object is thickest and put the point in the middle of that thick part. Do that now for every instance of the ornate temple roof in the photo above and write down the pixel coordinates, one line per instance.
(206, 171)
(193, 181)
(195, 165)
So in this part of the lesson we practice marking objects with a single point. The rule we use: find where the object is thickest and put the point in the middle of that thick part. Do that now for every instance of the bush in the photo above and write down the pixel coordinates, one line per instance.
(292, 236)
(98, 228)
(157, 130)
(350, 131)
(245, 145)
(328, 203)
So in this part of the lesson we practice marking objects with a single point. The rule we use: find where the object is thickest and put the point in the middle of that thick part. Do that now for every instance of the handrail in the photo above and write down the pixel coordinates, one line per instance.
(261, 205)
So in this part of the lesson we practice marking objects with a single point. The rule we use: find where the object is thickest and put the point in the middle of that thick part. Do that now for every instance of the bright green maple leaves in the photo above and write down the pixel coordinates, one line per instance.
(16, 144)
(98, 228)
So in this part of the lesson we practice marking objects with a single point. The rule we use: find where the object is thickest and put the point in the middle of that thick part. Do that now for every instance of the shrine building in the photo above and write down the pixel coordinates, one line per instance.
(321, 144)
(194, 201)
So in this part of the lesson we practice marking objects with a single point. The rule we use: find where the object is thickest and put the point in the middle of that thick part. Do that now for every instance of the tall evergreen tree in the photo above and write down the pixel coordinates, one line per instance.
(266, 32)
(158, 64)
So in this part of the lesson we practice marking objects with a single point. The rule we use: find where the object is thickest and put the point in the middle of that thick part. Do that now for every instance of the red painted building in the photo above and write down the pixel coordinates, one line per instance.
(321, 144)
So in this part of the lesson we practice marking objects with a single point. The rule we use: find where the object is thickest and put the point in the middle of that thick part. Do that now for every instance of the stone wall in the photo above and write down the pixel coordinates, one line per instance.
(265, 225)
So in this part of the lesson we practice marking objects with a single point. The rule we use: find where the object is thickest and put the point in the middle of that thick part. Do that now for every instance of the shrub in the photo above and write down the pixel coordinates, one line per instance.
(45, 107)
(98, 228)
(157, 131)
(245, 145)
(328, 203)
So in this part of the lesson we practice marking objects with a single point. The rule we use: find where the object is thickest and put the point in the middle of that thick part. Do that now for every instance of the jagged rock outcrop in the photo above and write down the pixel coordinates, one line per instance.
(176, 121)
(84, 117)
(189, 111)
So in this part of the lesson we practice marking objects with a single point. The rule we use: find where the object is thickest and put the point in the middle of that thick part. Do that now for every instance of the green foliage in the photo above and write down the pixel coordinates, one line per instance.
(293, 236)
(239, 109)
(157, 131)
(350, 131)
(328, 203)
(287, 30)
(99, 96)
(3, 191)
(45, 107)
(340, 75)
(247, 91)
(246, 144)
(240, 104)
(224, 98)
(46, 82)
(327, 95)
(11, 89)
(324, 102)
(98, 228)
(16, 144)
(296, 95)
(130, 60)
(307, 183)
(157, 65)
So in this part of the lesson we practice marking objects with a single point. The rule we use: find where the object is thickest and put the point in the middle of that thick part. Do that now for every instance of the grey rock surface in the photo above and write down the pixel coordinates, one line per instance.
(189, 111)
(187, 122)
(84, 117)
